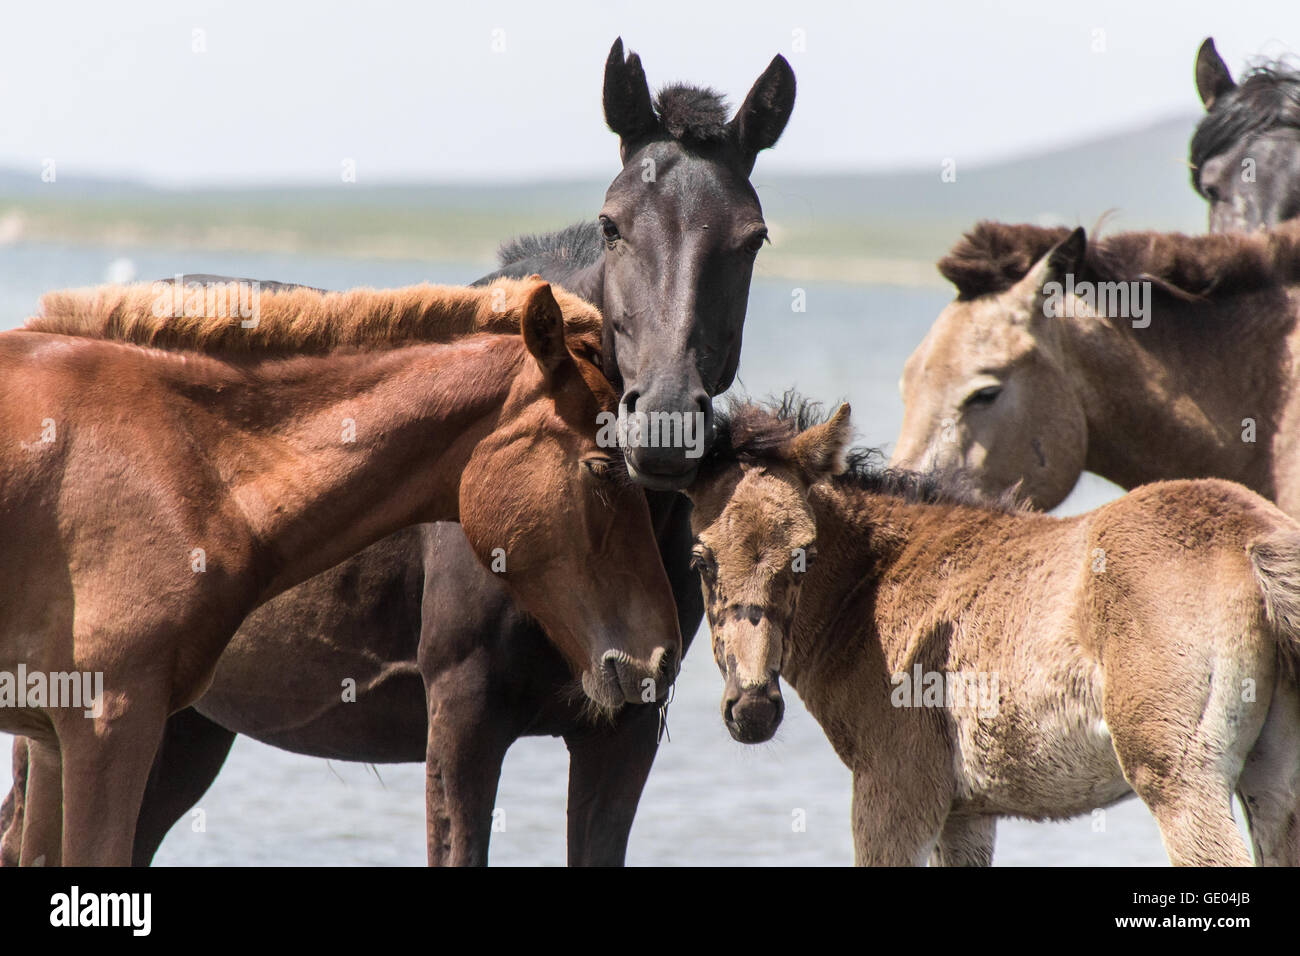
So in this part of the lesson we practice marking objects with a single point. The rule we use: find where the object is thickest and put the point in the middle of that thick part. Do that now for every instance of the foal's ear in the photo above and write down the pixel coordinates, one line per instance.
(1212, 77)
(761, 119)
(819, 451)
(542, 324)
(627, 98)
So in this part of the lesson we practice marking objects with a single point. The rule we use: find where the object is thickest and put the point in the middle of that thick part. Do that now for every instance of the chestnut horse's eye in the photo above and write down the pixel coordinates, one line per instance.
(609, 230)
(605, 469)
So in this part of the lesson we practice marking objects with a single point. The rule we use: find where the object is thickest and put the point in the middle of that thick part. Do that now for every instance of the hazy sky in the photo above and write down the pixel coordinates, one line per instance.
(289, 90)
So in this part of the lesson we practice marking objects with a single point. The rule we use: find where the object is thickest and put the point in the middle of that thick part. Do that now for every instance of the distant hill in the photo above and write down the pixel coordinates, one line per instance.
(887, 226)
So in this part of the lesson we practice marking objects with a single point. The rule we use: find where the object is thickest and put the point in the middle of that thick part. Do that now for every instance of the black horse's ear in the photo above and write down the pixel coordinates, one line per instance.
(627, 98)
(1212, 77)
(762, 117)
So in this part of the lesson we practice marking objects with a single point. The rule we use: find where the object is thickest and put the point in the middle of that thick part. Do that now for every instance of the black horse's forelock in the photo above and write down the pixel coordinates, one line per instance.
(692, 114)
(754, 432)
(1267, 98)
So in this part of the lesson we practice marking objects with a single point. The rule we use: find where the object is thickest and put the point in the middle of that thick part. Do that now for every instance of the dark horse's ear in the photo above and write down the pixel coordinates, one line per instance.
(762, 117)
(542, 325)
(627, 98)
(1212, 77)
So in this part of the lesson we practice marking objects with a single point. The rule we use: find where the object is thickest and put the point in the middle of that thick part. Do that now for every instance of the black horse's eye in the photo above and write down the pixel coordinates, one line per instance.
(983, 396)
(608, 229)
(755, 242)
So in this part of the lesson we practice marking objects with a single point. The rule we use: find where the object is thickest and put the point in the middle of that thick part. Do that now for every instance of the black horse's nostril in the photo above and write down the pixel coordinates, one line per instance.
(629, 399)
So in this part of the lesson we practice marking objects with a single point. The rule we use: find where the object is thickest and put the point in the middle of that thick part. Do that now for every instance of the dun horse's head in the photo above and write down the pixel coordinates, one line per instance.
(988, 392)
(681, 226)
(1245, 153)
(755, 535)
(544, 503)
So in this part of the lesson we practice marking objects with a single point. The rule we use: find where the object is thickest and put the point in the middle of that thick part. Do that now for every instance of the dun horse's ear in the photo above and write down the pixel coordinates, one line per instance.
(627, 98)
(1064, 258)
(542, 325)
(1212, 77)
(819, 451)
(761, 119)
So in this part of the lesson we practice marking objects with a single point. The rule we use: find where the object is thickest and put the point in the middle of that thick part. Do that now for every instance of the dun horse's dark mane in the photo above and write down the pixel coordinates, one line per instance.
(1267, 98)
(994, 256)
(756, 432)
(573, 247)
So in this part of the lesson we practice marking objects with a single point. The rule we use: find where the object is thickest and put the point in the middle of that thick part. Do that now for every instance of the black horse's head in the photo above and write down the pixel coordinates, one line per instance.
(1245, 153)
(681, 226)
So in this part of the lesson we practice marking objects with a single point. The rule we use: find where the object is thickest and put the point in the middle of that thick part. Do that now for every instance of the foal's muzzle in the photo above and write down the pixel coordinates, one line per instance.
(752, 714)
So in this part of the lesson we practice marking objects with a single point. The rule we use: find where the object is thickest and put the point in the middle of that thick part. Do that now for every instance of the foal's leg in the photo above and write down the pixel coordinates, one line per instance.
(608, 767)
(191, 755)
(11, 811)
(1269, 785)
(897, 818)
(966, 840)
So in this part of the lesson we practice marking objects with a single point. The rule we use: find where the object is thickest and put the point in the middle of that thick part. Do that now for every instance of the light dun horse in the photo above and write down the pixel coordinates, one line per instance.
(969, 662)
(1201, 385)
(152, 499)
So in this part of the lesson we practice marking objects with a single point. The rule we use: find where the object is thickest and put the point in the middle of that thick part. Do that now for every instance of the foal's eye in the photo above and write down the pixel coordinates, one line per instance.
(608, 229)
(702, 561)
(983, 396)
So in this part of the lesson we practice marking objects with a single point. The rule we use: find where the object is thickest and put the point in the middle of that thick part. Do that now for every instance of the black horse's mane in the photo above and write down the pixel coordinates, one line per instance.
(1268, 97)
(755, 432)
(691, 115)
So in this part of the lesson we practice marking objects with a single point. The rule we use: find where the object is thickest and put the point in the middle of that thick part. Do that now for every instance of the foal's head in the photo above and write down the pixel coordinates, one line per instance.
(1245, 153)
(548, 505)
(755, 535)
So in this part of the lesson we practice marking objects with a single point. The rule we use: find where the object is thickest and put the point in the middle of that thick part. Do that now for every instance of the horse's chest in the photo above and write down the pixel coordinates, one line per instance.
(1044, 759)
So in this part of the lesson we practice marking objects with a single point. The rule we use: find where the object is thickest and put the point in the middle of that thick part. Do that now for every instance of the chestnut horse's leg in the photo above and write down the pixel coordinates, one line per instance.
(608, 767)
(106, 763)
(191, 755)
(11, 811)
(42, 805)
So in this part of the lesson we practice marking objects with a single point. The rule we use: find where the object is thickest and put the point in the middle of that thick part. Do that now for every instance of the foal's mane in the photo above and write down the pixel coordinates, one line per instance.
(994, 256)
(756, 432)
(301, 320)
(1267, 98)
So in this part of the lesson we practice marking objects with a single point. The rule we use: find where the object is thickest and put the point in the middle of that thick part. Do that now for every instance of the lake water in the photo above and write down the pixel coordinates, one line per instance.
(709, 800)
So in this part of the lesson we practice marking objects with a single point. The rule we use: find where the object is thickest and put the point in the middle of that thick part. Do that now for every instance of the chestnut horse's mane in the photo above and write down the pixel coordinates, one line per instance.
(300, 320)
(994, 256)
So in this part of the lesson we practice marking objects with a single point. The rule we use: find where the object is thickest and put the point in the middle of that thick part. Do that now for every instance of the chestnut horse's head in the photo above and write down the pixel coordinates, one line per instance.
(755, 534)
(546, 501)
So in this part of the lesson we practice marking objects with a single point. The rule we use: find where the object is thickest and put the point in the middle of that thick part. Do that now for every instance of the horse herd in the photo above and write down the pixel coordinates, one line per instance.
(390, 525)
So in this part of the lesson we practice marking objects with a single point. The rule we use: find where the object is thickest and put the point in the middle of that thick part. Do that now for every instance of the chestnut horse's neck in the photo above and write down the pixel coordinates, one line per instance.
(325, 454)
(1201, 392)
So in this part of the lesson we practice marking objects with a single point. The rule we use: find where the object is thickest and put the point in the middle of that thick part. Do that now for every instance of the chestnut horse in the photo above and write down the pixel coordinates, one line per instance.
(153, 499)
(1014, 384)
(455, 670)
(969, 662)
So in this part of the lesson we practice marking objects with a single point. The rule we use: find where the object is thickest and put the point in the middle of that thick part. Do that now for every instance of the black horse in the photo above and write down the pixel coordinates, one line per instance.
(453, 671)
(1245, 153)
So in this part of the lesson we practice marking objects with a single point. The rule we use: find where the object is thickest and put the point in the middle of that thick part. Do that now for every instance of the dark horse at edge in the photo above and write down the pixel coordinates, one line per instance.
(448, 669)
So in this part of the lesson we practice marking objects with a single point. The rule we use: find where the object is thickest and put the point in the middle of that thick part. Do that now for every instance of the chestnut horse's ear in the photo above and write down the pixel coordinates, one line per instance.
(1212, 77)
(627, 99)
(542, 324)
(761, 119)
(819, 451)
